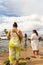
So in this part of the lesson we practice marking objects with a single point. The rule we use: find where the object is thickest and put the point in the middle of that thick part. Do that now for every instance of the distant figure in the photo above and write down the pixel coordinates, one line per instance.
(35, 42)
(15, 37)
(25, 41)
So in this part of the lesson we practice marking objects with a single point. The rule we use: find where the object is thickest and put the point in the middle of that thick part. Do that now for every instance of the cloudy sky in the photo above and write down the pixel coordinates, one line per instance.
(27, 13)
(21, 7)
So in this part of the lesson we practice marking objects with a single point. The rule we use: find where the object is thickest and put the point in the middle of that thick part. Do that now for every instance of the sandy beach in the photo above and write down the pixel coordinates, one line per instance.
(25, 53)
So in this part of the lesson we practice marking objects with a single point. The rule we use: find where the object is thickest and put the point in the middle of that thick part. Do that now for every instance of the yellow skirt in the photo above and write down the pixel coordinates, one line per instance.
(14, 52)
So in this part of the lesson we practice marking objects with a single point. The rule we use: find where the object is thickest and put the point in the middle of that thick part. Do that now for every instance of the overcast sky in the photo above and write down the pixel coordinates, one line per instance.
(21, 7)
(27, 13)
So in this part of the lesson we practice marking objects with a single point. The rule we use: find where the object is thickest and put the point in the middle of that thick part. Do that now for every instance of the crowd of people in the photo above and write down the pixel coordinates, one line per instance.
(15, 35)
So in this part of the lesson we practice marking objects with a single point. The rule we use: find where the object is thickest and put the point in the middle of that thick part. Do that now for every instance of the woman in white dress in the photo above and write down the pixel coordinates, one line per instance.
(35, 42)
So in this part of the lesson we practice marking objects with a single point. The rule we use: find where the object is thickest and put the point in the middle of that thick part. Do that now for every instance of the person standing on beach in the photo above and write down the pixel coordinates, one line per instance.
(25, 40)
(35, 42)
(15, 37)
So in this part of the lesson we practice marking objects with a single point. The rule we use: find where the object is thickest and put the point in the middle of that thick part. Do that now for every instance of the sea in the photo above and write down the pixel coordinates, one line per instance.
(4, 44)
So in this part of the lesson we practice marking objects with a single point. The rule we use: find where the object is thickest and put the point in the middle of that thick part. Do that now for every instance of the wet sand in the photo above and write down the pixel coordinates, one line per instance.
(25, 53)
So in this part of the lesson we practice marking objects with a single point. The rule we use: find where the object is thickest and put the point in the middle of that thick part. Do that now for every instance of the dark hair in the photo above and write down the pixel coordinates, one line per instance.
(25, 35)
(35, 32)
(15, 24)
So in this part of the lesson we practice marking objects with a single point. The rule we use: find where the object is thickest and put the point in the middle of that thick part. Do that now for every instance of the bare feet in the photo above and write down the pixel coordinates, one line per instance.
(17, 62)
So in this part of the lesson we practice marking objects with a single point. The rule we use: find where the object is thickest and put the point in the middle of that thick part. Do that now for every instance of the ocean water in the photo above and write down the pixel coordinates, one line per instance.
(4, 44)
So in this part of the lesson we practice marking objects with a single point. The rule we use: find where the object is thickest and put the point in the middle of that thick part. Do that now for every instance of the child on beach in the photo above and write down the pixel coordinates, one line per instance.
(15, 37)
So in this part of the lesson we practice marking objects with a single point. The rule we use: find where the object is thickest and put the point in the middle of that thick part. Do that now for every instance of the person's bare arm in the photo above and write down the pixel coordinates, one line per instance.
(8, 35)
(20, 35)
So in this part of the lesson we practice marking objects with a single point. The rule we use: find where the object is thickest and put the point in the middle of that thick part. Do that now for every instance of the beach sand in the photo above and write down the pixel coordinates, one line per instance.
(25, 53)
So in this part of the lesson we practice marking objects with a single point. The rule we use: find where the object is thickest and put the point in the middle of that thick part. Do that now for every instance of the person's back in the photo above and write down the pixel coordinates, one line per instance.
(15, 37)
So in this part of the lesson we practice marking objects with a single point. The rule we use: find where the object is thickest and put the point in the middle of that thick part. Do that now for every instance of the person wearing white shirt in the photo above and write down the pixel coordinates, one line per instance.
(35, 42)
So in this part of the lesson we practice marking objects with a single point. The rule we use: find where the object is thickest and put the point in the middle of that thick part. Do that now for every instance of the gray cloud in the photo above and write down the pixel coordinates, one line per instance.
(26, 8)
(25, 23)
(21, 7)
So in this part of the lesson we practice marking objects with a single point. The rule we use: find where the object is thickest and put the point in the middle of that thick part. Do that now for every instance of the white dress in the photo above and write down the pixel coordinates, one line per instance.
(34, 42)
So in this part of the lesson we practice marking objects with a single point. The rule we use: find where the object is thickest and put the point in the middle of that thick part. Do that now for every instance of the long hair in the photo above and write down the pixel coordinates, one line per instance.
(25, 35)
(35, 32)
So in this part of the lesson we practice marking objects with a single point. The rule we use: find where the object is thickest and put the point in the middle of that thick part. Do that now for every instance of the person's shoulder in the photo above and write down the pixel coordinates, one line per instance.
(12, 30)
(33, 35)
(9, 31)
(19, 30)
